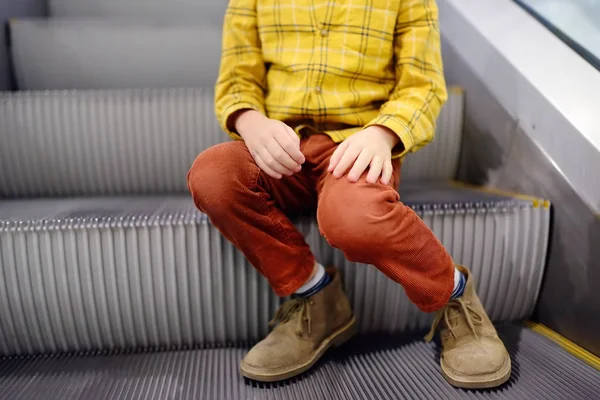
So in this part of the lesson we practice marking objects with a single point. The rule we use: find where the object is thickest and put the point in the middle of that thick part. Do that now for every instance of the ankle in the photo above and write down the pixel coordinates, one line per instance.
(317, 281)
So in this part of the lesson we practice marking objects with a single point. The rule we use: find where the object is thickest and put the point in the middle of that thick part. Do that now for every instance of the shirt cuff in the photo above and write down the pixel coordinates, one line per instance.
(400, 128)
(231, 110)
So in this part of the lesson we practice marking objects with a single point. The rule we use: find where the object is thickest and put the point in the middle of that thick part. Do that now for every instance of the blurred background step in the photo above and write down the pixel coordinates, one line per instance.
(101, 54)
(108, 54)
(85, 142)
(124, 273)
(193, 11)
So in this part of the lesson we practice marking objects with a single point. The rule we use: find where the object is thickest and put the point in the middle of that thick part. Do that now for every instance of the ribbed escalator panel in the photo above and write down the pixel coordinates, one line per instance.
(142, 141)
(121, 273)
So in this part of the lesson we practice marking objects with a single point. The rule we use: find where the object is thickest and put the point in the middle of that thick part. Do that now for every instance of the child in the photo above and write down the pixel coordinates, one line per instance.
(325, 98)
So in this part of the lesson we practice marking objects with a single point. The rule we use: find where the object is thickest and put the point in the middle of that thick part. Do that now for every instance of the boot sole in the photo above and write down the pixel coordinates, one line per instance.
(480, 382)
(337, 338)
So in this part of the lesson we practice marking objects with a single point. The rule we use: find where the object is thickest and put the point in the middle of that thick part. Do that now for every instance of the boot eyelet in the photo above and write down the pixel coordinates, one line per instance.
(312, 303)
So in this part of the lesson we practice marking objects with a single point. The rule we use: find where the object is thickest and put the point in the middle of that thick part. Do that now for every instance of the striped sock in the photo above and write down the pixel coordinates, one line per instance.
(319, 280)
(460, 282)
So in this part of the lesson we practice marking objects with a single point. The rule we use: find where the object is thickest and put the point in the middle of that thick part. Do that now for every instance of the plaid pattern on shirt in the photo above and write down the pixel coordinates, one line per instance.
(336, 66)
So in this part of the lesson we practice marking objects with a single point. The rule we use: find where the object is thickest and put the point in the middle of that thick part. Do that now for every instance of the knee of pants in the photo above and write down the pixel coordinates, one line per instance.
(343, 226)
(218, 175)
(356, 219)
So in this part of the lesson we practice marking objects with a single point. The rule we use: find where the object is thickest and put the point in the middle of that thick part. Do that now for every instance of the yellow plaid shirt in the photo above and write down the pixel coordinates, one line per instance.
(336, 66)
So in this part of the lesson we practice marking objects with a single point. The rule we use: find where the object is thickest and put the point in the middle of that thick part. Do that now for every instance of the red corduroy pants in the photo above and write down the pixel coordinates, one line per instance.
(367, 222)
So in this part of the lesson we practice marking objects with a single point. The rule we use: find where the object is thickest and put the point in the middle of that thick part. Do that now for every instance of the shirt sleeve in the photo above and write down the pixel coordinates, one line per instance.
(241, 82)
(420, 91)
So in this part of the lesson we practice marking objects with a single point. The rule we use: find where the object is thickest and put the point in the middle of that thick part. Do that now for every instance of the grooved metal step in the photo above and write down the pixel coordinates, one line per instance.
(209, 12)
(121, 273)
(367, 368)
(84, 143)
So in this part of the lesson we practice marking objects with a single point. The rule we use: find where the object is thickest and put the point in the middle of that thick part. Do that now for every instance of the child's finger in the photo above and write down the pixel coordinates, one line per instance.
(360, 165)
(347, 159)
(337, 156)
(265, 168)
(291, 148)
(375, 169)
(293, 135)
(281, 156)
(272, 163)
(386, 176)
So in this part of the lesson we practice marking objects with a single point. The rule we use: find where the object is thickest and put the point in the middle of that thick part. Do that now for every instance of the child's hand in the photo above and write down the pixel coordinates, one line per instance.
(274, 146)
(372, 147)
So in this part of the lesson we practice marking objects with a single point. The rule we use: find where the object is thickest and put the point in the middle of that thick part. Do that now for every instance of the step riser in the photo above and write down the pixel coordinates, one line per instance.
(142, 141)
(95, 54)
(89, 283)
(194, 11)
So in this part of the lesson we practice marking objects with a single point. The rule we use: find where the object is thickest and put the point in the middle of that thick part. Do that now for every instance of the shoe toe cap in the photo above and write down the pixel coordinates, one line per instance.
(270, 356)
(478, 357)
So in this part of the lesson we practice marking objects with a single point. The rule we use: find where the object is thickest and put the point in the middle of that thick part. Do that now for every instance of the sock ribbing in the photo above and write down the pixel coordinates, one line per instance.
(316, 283)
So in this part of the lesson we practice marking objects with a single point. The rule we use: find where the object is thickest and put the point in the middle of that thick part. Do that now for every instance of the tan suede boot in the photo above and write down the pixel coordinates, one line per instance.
(306, 329)
(473, 356)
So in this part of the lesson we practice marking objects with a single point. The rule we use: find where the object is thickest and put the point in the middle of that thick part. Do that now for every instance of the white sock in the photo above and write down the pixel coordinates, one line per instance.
(457, 277)
(312, 282)
(460, 281)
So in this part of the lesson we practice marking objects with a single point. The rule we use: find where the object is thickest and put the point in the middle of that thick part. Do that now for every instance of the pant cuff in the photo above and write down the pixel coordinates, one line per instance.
(290, 287)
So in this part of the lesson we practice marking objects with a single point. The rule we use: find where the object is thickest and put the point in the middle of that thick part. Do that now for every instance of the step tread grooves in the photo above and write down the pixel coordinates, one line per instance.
(370, 367)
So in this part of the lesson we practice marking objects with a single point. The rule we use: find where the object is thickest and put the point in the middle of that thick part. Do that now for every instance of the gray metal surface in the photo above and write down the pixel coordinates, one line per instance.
(439, 159)
(104, 142)
(523, 69)
(496, 151)
(371, 368)
(196, 11)
(109, 54)
(13, 9)
(142, 141)
(114, 273)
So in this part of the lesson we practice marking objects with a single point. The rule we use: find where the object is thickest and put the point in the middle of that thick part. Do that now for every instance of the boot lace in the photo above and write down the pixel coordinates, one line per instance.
(298, 306)
(454, 310)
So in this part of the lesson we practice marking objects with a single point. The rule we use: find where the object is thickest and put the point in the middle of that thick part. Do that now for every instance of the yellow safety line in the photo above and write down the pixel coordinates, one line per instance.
(456, 90)
(537, 202)
(566, 344)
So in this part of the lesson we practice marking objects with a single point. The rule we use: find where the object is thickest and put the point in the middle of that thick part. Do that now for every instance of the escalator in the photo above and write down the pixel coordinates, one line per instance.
(128, 296)
(113, 286)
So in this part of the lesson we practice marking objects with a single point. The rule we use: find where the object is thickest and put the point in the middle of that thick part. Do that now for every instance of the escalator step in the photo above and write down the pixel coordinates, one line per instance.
(125, 273)
(186, 11)
(380, 368)
(136, 142)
